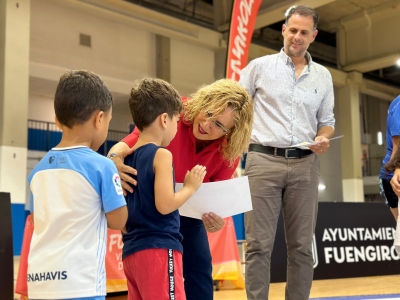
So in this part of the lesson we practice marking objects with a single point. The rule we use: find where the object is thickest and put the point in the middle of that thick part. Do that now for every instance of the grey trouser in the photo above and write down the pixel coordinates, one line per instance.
(290, 184)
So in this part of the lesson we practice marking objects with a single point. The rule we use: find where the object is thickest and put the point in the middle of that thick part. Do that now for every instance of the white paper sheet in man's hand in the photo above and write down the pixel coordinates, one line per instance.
(306, 145)
(224, 198)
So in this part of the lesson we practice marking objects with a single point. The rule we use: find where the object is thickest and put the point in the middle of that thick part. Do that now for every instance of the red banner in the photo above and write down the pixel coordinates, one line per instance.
(244, 14)
(225, 255)
(116, 280)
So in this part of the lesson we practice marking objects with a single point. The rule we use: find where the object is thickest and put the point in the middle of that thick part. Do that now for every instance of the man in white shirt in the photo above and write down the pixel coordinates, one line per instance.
(293, 101)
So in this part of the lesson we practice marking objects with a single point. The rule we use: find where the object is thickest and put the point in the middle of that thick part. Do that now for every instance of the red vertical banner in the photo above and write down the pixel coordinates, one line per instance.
(225, 255)
(116, 280)
(244, 14)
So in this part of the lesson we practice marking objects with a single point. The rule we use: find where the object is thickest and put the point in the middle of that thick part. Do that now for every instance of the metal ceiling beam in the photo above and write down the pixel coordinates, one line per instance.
(362, 46)
(373, 63)
(379, 90)
(152, 21)
(364, 17)
(186, 12)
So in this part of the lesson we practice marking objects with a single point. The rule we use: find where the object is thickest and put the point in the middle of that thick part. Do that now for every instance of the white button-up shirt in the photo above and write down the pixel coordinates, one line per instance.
(288, 111)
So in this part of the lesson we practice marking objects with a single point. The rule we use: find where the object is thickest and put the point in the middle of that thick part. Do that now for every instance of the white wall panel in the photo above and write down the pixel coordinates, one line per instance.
(117, 50)
(191, 67)
(41, 108)
(120, 120)
(331, 168)
(12, 171)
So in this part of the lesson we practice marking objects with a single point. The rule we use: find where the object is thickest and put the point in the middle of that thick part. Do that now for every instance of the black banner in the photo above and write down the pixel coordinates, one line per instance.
(351, 240)
(6, 248)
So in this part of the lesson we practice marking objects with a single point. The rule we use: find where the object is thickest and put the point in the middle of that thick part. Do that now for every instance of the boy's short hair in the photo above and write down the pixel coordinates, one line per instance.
(79, 94)
(151, 98)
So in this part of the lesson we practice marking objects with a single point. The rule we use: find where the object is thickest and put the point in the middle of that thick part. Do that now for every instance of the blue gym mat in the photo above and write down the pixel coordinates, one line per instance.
(371, 297)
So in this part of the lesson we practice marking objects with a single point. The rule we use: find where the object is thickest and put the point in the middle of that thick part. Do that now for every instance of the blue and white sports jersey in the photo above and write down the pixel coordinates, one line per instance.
(71, 190)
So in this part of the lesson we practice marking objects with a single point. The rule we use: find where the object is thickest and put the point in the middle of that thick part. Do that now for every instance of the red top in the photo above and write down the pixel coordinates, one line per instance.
(183, 149)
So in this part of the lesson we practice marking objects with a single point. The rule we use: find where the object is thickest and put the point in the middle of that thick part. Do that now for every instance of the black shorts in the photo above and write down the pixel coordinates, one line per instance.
(387, 193)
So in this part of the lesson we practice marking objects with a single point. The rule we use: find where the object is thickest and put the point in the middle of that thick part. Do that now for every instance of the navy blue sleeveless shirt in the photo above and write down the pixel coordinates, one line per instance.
(146, 227)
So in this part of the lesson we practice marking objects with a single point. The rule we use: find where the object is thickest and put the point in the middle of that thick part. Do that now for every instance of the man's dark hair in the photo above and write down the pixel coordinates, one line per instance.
(79, 94)
(302, 11)
(152, 98)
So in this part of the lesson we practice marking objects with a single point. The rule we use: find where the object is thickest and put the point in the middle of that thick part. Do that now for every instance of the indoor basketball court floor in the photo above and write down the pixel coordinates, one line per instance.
(362, 288)
(371, 288)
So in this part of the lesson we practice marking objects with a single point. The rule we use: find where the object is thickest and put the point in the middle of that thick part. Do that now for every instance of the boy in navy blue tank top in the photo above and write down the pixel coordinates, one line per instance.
(152, 252)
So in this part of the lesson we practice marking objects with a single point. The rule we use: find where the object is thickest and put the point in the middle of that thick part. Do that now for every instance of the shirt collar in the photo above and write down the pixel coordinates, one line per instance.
(286, 58)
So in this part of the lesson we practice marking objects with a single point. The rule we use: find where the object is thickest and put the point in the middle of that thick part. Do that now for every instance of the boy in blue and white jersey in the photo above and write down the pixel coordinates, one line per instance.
(75, 195)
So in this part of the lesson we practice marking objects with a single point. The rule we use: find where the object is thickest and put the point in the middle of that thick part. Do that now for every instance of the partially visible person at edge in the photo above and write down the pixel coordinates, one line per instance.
(214, 131)
(293, 99)
(395, 181)
(392, 141)
(394, 165)
(152, 249)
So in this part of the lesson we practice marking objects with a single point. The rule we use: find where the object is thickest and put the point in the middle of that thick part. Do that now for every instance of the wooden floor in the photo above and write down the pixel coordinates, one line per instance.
(377, 285)
(328, 288)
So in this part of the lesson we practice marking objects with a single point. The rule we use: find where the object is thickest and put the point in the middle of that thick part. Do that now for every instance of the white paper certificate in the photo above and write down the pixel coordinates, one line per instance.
(224, 198)
(305, 145)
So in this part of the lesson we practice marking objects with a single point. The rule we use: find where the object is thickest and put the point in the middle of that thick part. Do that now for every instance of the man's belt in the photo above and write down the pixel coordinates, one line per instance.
(284, 152)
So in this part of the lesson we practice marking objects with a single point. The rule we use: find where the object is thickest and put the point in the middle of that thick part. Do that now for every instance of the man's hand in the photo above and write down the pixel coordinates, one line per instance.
(212, 222)
(124, 172)
(395, 182)
(322, 146)
(118, 158)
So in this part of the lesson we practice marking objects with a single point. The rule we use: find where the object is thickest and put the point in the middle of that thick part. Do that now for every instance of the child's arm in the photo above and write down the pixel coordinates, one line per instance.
(116, 219)
(166, 200)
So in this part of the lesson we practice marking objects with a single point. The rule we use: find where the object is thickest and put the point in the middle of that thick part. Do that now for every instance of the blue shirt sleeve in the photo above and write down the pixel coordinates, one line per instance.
(111, 193)
(395, 124)
(31, 202)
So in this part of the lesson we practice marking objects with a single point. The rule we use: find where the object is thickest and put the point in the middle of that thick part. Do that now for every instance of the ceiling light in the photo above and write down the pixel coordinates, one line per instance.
(380, 141)
(398, 62)
(321, 187)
